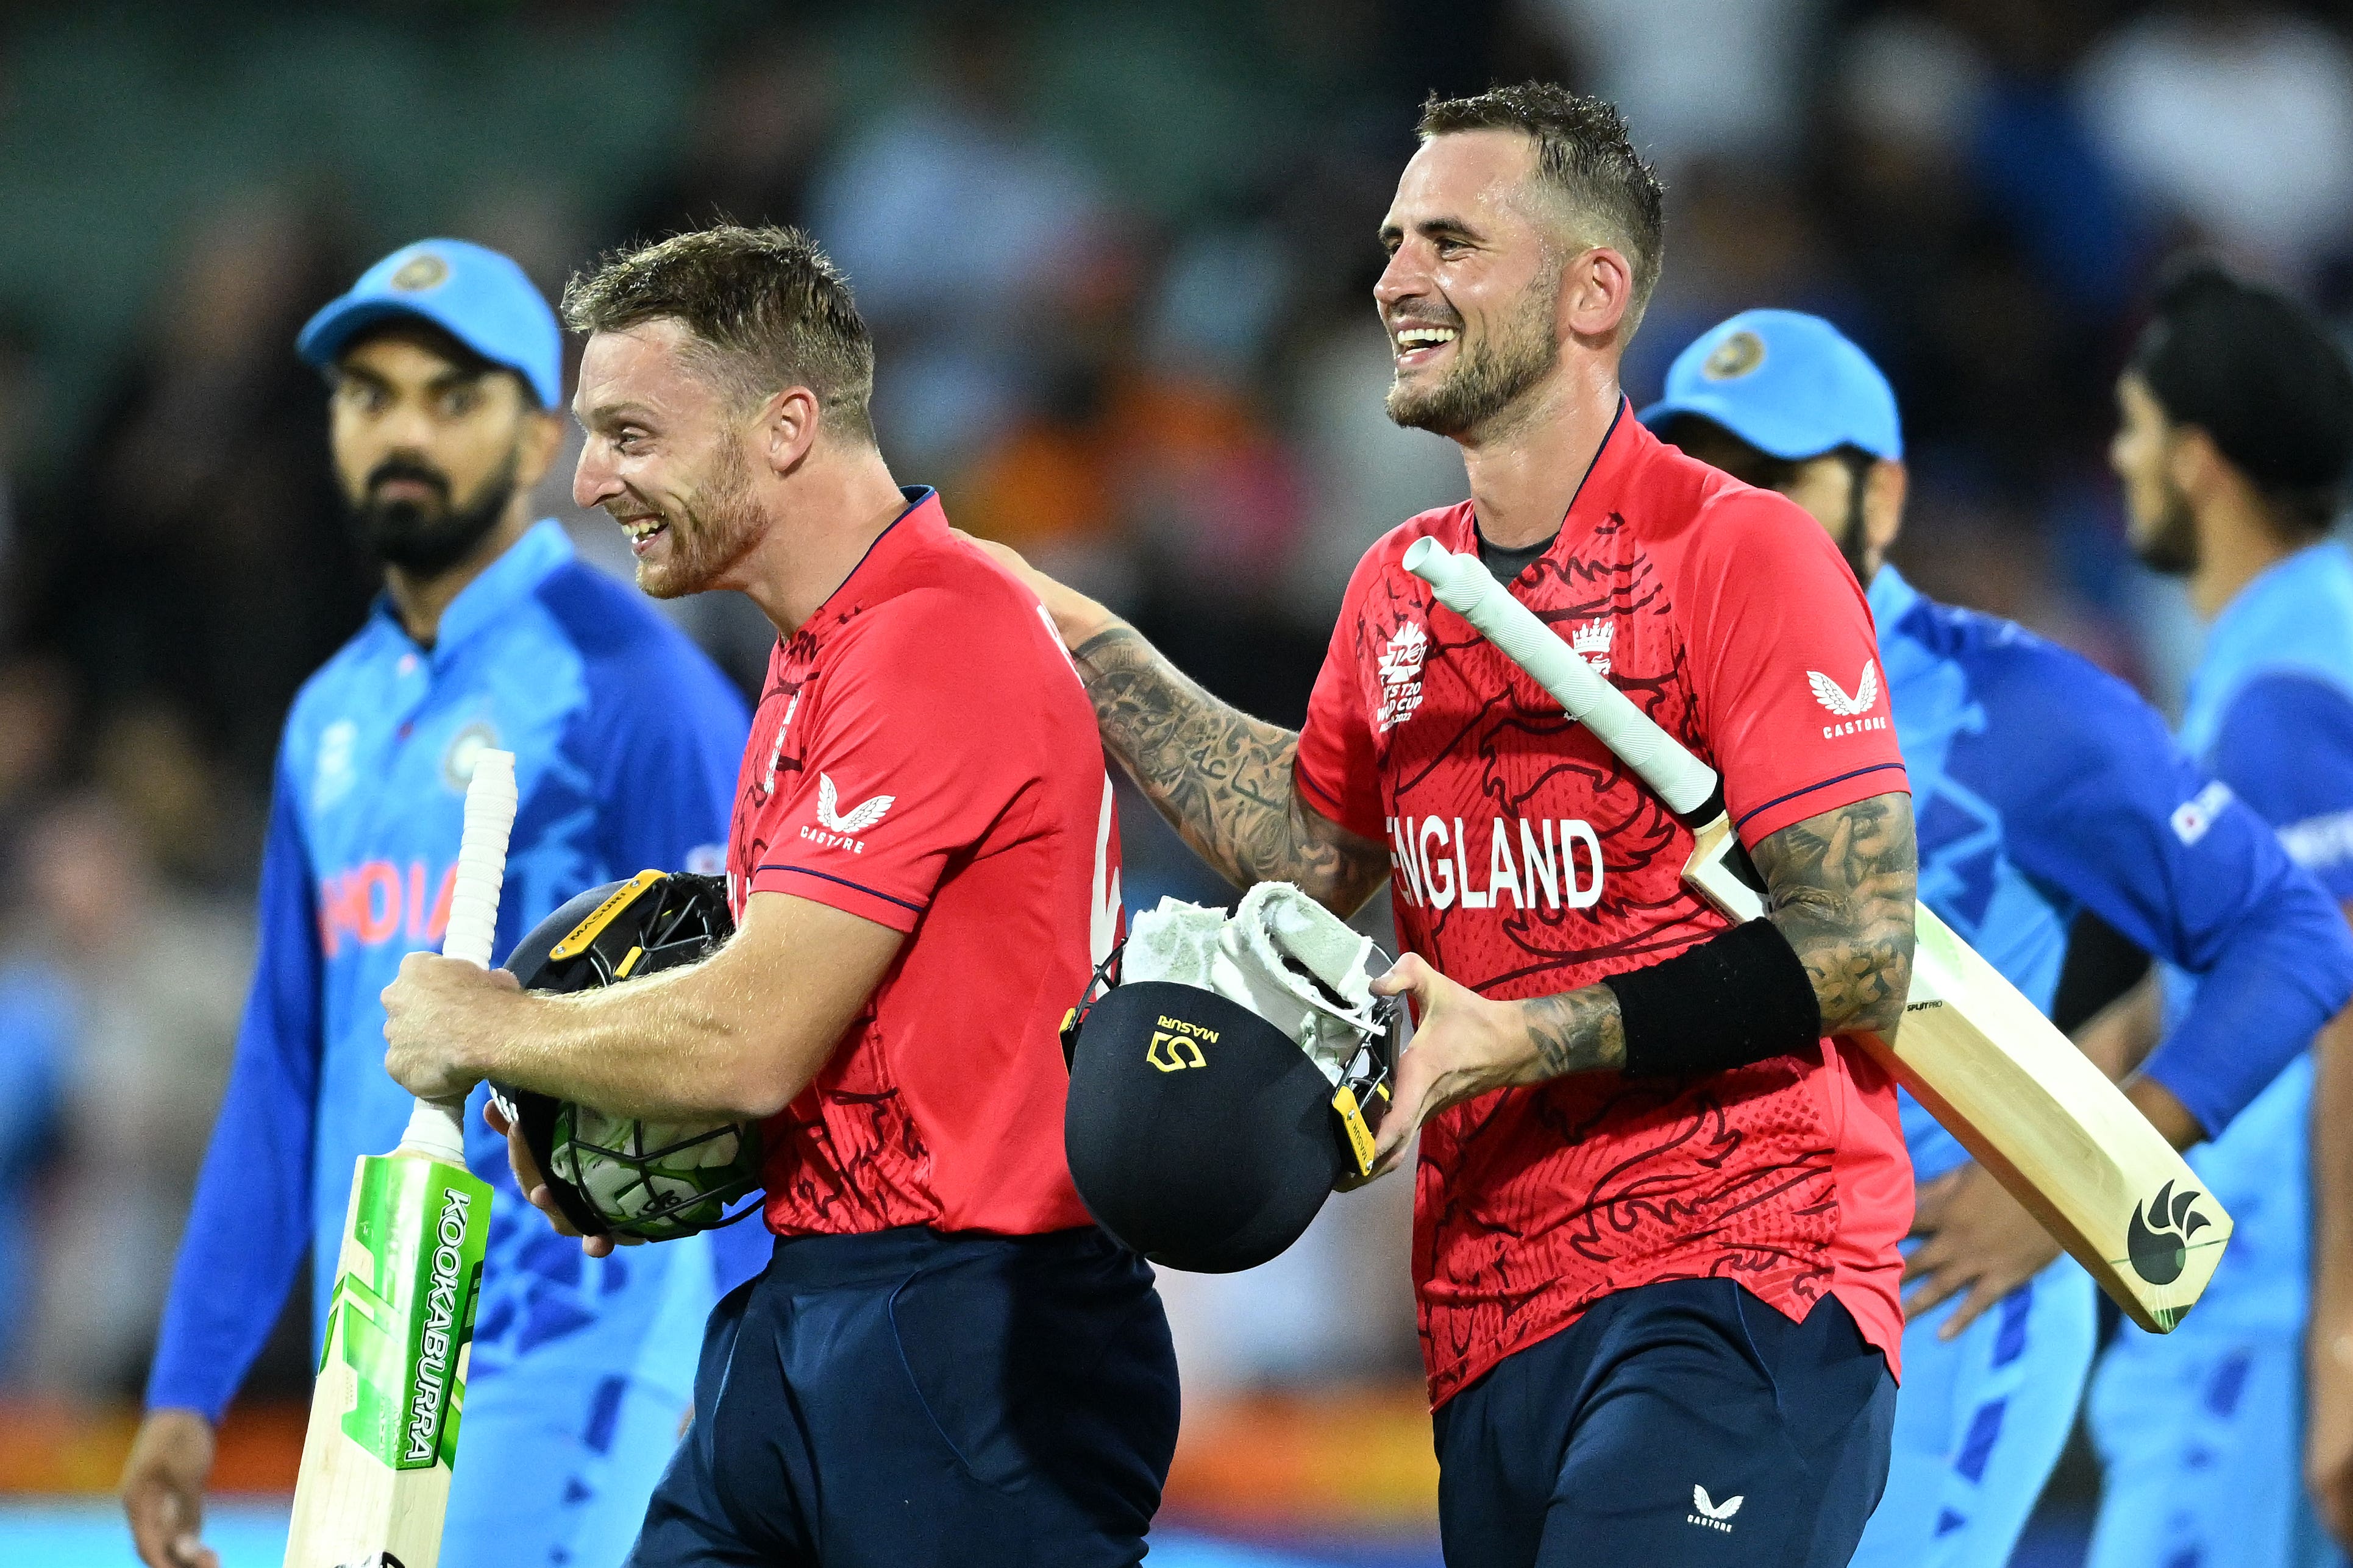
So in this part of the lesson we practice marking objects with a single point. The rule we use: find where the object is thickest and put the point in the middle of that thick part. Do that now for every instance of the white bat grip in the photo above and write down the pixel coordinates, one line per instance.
(1470, 591)
(481, 859)
(437, 1127)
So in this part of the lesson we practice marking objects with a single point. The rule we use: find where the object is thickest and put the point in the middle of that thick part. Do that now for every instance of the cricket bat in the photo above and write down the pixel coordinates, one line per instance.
(2021, 1098)
(391, 1376)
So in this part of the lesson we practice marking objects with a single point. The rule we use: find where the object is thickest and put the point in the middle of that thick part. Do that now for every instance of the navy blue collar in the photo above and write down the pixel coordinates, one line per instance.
(918, 498)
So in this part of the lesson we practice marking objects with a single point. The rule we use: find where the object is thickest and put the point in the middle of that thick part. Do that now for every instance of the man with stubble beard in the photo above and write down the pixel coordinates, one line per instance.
(944, 1361)
(445, 369)
(1658, 1197)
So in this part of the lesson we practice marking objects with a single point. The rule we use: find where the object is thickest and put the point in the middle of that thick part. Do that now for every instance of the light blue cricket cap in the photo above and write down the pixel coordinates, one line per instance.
(1789, 385)
(473, 293)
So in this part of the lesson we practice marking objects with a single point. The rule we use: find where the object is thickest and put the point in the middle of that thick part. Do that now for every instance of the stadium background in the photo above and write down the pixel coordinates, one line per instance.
(1118, 258)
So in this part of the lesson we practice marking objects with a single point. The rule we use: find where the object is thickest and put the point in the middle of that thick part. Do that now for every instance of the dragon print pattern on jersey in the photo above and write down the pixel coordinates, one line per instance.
(1554, 866)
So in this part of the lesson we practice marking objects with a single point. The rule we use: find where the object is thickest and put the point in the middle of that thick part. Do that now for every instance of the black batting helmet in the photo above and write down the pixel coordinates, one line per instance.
(616, 1173)
(1201, 1135)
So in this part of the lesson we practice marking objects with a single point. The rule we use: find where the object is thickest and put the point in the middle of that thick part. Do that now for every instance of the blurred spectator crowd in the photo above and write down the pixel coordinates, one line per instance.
(1118, 259)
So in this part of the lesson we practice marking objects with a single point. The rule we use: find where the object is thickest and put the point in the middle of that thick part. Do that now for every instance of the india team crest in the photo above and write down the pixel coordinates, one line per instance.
(421, 271)
(466, 748)
(1738, 355)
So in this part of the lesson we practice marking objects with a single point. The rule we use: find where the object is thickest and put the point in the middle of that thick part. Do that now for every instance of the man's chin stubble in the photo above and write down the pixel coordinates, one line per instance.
(1428, 412)
(657, 582)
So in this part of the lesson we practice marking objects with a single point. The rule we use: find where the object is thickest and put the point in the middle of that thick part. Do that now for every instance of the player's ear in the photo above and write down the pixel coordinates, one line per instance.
(2192, 462)
(787, 428)
(1885, 486)
(1596, 294)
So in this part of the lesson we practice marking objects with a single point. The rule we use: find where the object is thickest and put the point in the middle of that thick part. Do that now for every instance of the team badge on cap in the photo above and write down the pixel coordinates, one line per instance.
(1735, 357)
(420, 272)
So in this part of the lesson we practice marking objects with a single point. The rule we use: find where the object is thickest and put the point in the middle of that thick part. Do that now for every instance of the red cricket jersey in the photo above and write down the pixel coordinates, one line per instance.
(924, 756)
(1528, 861)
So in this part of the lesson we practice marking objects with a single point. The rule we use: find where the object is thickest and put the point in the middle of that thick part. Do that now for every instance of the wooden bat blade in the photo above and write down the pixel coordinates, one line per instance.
(2065, 1140)
(2033, 1110)
(385, 1412)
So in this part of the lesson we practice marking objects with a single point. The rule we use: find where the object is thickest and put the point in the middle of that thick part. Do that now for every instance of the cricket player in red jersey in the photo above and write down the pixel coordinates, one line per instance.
(944, 1361)
(1658, 1197)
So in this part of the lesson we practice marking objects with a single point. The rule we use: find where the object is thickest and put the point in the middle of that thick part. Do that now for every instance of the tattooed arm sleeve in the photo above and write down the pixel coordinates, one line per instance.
(1221, 778)
(1840, 888)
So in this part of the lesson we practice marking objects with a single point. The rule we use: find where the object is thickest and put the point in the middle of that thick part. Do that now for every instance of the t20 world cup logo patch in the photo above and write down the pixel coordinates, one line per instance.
(1401, 672)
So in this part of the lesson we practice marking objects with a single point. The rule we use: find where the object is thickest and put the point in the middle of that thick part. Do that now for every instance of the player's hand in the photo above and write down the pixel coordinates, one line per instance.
(1076, 618)
(2329, 1418)
(534, 1186)
(164, 1490)
(1979, 1239)
(441, 1017)
(1463, 1045)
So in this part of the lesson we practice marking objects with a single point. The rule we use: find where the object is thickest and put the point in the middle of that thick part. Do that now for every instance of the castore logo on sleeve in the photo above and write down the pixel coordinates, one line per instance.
(839, 829)
(1834, 697)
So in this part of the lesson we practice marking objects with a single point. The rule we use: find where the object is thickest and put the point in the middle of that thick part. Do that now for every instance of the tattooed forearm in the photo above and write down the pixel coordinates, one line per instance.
(1221, 777)
(1841, 889)
(1579, 1031)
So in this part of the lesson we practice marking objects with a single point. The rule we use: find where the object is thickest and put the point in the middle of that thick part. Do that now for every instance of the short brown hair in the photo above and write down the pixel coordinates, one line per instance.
(1585, 154)
(767, 310)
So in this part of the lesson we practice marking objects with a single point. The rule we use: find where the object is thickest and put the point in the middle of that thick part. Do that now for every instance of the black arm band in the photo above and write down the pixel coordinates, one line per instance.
(1741, 996)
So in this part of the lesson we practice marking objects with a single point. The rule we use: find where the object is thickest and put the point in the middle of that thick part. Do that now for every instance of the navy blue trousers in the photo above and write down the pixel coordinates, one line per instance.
(909, 1398)
(1680, 1423)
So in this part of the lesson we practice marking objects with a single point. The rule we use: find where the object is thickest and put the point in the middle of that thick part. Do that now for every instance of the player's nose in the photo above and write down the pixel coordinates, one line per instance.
(406, 428)
(593, 481)
(1402, 279)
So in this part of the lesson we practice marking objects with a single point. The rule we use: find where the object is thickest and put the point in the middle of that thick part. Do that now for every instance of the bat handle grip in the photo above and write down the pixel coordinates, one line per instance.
(437, 1127)
(481, 859)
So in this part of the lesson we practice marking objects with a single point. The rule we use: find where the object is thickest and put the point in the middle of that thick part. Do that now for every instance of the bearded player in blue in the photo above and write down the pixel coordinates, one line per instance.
(2042, 787)
(2234, 443)
(445, 367)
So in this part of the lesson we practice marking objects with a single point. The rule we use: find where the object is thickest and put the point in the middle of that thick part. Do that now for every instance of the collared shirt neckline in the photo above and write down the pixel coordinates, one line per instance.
(923, 519)
(2247, 610)
(1597, 494)
(1892, 597)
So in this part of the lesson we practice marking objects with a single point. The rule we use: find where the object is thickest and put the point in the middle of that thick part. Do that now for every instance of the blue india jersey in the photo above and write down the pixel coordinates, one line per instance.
(626, 742)
(2042, 787)
(2270, 712)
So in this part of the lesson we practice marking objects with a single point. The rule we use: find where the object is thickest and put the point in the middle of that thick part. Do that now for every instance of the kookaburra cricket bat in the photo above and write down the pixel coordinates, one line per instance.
(392, 1377)
(2021, 1098)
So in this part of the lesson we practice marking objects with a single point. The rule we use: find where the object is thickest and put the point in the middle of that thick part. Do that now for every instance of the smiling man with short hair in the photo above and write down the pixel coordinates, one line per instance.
(2234, 445)
(944, 1361)
(1658, 1197)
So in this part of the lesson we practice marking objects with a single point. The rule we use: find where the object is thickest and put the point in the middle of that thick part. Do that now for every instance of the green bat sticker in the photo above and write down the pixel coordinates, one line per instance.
(404, 1319)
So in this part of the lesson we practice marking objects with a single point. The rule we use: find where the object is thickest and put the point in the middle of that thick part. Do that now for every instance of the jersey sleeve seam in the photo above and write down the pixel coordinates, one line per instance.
(1755, 812)
(1322, 796)
(856, 887)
